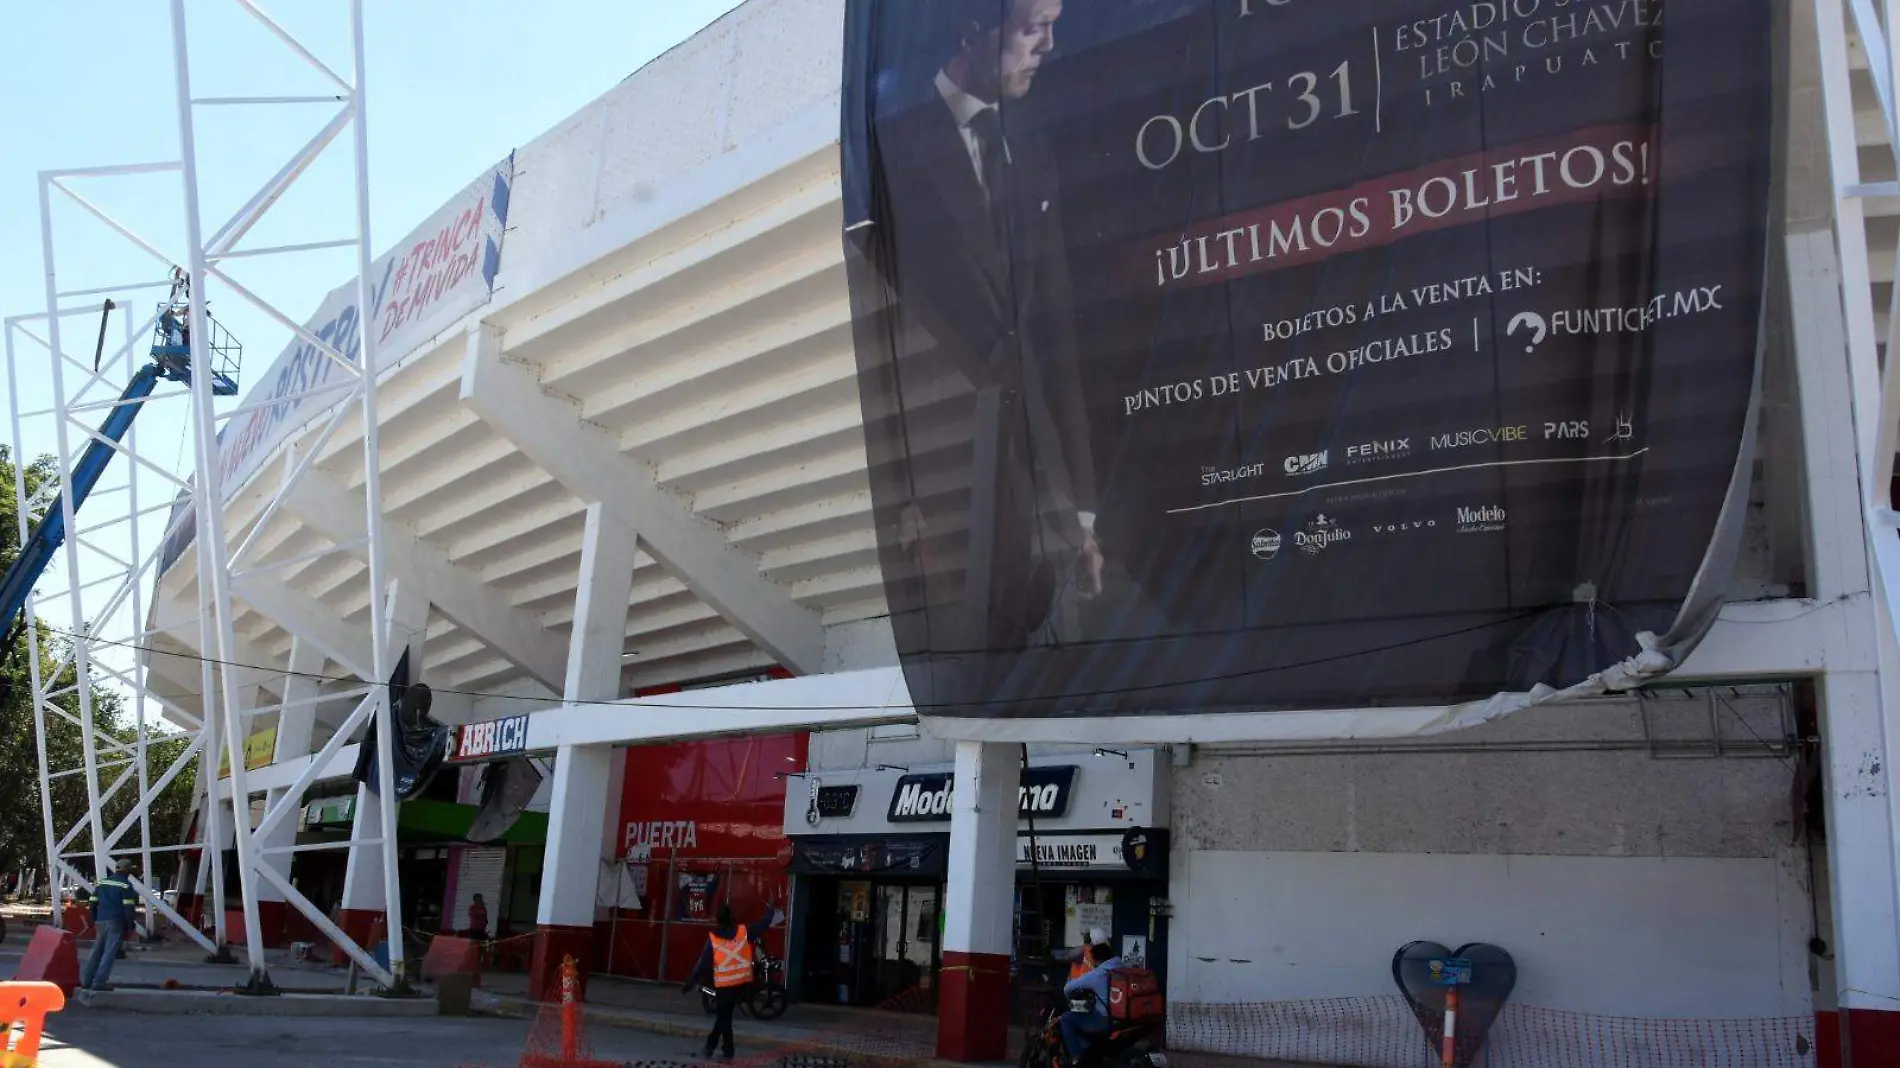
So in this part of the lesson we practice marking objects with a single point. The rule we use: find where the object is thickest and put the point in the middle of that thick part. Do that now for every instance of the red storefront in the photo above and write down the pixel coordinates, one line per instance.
(702, 824)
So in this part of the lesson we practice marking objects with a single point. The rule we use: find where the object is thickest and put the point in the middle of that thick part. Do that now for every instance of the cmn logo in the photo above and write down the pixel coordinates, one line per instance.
(1308, 464)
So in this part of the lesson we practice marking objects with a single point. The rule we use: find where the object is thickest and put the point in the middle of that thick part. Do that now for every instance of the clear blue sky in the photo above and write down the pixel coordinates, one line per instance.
(454, 86)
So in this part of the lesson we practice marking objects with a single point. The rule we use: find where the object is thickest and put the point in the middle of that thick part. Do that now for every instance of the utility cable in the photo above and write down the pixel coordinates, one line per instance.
(922, 707)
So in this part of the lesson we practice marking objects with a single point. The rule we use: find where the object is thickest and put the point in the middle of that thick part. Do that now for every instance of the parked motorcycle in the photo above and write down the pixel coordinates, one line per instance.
(767, 999)
(1126, 1044)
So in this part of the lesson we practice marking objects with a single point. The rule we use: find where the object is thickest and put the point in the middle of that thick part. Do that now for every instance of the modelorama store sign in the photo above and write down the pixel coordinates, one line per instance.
(1299, 353)
(928, 796)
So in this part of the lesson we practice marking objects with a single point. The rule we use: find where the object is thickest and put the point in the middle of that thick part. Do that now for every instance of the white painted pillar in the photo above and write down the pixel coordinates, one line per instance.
(584, 775)
(974, 1010)
(363, 893)
(1857, 704)
(295, 729)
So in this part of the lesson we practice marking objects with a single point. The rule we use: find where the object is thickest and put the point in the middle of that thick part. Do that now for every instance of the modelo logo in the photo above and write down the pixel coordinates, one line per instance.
(927, 797)
(479, 741)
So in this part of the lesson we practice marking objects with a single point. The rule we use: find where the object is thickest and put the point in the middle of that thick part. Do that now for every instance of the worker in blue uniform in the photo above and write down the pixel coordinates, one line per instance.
(114, 905)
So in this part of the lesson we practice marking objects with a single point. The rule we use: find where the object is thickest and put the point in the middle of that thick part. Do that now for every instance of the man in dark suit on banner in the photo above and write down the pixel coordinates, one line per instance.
(987, 378)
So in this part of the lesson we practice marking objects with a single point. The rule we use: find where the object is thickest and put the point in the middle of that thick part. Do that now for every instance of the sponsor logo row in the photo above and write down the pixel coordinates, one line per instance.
(1400, 448)
(1324, 532)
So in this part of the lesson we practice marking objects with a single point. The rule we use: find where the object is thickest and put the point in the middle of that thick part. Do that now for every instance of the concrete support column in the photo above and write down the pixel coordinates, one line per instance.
(295, 728)
(1860, 853)
(363, 897)
(974, 1007)
(583, 775)
(1859, 692)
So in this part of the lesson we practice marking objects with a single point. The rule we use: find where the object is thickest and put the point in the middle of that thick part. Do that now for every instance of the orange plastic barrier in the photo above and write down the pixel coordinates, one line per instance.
(52, 957)
(449, 955)
(24, 1006)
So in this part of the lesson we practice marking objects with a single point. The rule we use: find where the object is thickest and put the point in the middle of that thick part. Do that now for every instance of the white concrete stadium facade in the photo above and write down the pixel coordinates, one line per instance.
(666, 363)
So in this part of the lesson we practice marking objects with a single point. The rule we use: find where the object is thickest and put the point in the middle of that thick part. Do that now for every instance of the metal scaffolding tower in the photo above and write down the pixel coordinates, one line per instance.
(98, 628)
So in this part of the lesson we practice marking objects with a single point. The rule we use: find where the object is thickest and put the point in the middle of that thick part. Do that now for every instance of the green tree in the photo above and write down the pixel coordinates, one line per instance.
(22, 832)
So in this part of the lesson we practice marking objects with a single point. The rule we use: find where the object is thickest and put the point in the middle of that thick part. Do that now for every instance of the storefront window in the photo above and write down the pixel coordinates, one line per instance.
(701, 827)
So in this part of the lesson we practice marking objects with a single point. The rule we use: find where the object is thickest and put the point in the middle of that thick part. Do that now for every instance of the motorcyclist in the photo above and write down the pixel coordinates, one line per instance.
(1081, 1028)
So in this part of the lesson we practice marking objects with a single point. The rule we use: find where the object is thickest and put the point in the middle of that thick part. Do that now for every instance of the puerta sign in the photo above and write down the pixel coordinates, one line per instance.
(1224, 355)
(925, 797)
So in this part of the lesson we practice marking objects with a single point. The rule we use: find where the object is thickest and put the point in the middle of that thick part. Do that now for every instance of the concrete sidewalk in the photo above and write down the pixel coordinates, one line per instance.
(907, 1038)
(661, 1008)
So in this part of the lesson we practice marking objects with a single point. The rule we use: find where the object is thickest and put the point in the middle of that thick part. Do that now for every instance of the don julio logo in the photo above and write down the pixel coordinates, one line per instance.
(1322, 533)
(1490, 517)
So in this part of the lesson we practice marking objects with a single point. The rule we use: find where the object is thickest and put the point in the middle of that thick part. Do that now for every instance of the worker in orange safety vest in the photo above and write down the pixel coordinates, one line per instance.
(1081, 960)
(726, 963)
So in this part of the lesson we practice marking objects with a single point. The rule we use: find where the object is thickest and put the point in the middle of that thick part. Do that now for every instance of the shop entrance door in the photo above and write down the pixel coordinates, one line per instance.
(909, 942)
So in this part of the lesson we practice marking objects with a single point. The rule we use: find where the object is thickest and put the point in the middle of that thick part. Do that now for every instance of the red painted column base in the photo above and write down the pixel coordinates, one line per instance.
(1872, 1037)
(1827, 1040)
(364, 926)
(271, 917)
(973, 1007)
(551, 943)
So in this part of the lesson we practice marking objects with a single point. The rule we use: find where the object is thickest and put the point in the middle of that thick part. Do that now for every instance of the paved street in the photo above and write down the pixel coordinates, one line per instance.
(82, 1038)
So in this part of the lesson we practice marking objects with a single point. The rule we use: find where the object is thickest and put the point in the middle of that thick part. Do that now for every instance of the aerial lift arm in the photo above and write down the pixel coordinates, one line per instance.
(171, 356)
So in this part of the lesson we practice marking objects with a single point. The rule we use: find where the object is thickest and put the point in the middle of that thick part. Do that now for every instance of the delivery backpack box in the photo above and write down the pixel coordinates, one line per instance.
(1134, 994)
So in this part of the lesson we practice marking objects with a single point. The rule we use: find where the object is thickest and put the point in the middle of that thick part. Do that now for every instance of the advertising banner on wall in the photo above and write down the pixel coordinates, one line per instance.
(1241, 355)
(442, 271)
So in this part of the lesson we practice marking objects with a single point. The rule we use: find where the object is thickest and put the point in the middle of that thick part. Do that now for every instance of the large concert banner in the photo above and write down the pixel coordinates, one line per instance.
(1225, 355)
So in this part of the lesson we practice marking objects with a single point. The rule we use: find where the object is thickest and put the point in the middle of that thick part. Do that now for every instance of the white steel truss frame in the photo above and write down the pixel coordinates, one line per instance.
(1854, 35)
(227, 670)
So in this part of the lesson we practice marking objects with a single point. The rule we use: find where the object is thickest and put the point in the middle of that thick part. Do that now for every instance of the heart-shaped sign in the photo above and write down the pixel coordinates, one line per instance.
(1483, 975)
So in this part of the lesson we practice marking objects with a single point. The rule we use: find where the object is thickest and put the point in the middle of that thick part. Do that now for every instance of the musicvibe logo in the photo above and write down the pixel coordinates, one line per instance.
(1322, 533)
(1484, 435)
(1482, 520)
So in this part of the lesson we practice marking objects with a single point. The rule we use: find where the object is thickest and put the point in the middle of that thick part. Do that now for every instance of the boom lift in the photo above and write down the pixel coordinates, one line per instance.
(171, 361)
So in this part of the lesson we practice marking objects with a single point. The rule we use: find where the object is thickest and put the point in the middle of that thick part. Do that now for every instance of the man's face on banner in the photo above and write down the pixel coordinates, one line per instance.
(1003, 61)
